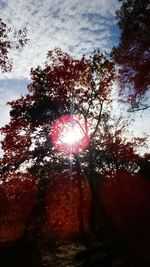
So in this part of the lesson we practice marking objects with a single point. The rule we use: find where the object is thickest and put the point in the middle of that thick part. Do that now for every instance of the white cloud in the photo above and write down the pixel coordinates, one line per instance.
(76, 26)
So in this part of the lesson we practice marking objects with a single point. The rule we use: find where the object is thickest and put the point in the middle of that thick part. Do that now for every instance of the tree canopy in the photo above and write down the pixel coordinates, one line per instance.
(63, 87)
(133, 52)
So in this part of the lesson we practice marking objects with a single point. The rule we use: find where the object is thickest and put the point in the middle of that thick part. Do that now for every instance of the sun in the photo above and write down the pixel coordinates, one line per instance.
(69, 134)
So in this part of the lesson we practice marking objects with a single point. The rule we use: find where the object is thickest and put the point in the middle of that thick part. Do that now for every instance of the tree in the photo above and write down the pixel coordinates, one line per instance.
(64, 87)
(18, 40)
(132, 54)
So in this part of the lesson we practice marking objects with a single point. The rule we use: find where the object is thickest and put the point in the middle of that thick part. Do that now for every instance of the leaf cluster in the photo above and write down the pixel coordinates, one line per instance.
(133, 52)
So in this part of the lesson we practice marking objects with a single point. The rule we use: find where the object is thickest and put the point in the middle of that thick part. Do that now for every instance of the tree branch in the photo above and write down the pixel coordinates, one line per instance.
(99, 119)
(138, 109)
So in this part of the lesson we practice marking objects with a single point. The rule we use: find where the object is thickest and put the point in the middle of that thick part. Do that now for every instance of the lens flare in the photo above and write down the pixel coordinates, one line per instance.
(69, 134)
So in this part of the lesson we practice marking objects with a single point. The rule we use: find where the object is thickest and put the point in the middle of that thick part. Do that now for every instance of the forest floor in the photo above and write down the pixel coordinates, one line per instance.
(63, 254)
(77, 255)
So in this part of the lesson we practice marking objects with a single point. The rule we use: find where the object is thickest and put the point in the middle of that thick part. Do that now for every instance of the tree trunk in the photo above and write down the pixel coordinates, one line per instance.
(80, 202)
(99, 222)
(38, 216)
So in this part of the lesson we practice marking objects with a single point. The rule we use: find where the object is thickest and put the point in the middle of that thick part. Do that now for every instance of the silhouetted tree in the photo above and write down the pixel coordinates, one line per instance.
(133, 52)
(65, 86)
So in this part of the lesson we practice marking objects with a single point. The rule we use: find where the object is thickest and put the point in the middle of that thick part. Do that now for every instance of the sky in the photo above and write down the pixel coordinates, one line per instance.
(76, 26)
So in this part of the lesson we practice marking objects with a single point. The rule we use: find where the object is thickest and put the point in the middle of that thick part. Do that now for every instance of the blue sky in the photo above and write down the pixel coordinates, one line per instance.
(76, 26)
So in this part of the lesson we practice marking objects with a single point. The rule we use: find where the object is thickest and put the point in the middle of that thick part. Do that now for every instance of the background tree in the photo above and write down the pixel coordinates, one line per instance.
(133, 53)
(17, 41)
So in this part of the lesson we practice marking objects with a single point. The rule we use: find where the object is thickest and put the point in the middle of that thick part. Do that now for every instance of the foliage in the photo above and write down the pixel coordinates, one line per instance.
(18, 40)
(133, 52)
(18, 196)
(126, 200)
(63, 86)
(66, 86)
(114, 151)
